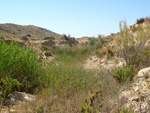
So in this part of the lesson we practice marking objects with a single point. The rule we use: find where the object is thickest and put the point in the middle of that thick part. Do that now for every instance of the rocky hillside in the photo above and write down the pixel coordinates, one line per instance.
(33, 32)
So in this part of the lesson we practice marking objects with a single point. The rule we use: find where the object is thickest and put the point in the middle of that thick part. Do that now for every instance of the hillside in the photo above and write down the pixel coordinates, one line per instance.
(87, 75)
(33, 32)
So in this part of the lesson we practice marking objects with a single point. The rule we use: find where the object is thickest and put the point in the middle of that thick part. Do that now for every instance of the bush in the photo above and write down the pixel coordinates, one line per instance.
(141, 20)
(122, 74)
(19, 67)
(92, 41)
(131, 46)
(97, 42)
(48, 53)
(8, 85)
(142, 59)
(105, 51)
(47, 38)
(44, 48)
(98, 54)
(100, 42)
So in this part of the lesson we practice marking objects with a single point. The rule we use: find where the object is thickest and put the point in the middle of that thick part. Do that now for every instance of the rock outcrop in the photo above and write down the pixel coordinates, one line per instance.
(137, 94)
(19, 97)
(97, 63)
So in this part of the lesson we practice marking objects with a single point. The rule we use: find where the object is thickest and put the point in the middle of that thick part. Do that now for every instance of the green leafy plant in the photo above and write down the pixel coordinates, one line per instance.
(8, 85)
(20, 65)
(122, 74)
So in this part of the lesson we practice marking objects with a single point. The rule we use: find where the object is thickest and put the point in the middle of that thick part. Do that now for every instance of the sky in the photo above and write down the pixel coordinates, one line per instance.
(75, 17)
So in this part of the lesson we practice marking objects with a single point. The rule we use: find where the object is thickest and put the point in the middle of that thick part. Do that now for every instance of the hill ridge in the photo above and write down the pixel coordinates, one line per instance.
(18, 31)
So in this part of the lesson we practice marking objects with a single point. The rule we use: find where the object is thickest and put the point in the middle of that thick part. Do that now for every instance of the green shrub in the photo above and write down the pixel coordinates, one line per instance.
(98, 54)
(142, 59)
(122, 74)
(92, 41)
(8, 85)
(19, 65)
(97, 42)
(48, 53)
(44, 48)
(110, 53)
(47, 38)
(105, 51)
(100, 42)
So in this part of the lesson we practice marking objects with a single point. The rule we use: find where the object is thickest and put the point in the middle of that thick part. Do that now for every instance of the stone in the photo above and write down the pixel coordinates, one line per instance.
(138, 93)
(143, 72)
(19, 97)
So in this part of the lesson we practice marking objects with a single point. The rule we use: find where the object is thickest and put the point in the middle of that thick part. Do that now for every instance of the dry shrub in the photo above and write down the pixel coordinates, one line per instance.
(48, 43)
(131, 46)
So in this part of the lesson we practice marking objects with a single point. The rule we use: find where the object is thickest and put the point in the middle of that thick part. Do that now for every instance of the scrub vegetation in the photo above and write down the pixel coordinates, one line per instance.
(64, 85)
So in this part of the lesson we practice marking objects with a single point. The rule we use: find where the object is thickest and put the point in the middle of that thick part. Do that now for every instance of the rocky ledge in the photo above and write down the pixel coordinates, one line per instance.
(137, 95)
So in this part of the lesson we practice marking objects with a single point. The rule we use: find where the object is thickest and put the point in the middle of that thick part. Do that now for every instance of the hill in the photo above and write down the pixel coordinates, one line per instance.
(33, 32)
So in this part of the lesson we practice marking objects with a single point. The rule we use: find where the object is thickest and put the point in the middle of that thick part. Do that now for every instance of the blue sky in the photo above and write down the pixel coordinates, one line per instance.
(75, 17)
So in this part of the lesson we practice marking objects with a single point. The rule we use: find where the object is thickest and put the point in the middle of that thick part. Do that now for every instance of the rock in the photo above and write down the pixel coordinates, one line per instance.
(98, 63)
(138, 93)
(19, 97)
(143, 72)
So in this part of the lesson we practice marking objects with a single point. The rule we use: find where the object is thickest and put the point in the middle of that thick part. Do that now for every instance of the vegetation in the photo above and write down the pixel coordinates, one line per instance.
(123, 74)
(48, 53)
(132, 46)
(19, 69)
(133, 51)
(44, 48)
(49, 38)
(141, 20)
(63, 85)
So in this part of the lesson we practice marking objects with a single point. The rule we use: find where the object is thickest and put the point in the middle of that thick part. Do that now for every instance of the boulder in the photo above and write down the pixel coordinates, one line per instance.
(143, 73)
(138, 93)
(19, 97)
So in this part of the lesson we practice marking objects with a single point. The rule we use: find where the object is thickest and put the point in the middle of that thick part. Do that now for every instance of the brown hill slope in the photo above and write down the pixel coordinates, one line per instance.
(33, 32)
